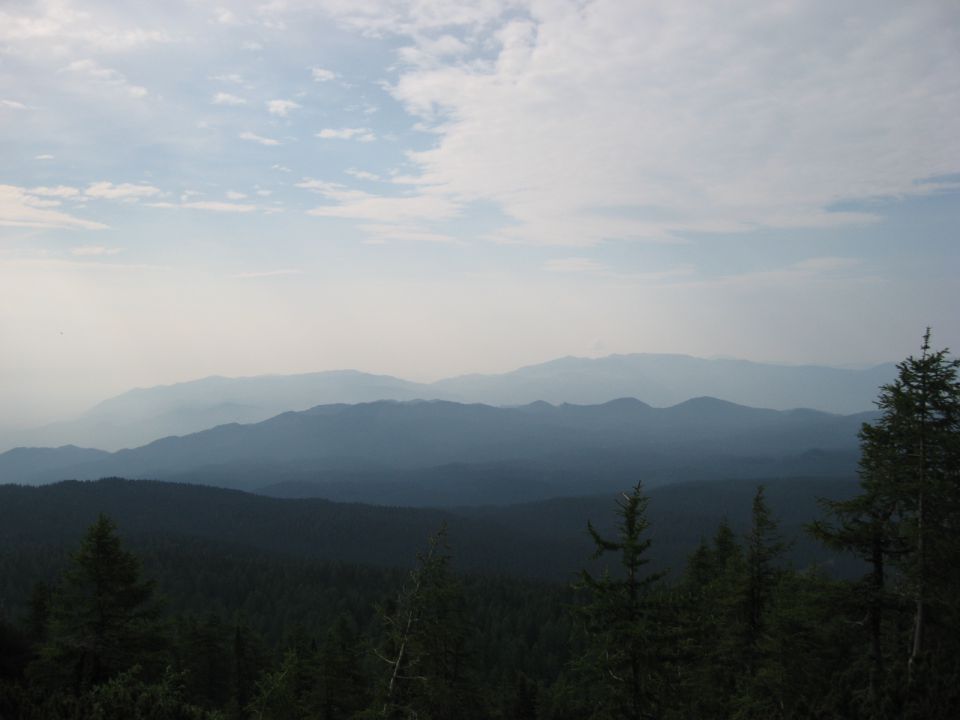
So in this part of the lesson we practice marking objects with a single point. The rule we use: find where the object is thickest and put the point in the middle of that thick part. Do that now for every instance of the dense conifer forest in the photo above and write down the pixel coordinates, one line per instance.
(208, 629)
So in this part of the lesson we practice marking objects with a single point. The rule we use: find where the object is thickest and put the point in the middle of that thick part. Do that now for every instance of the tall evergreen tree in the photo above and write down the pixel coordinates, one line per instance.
(620, 616)
(103, 615)
(424, 644)
(906, 519)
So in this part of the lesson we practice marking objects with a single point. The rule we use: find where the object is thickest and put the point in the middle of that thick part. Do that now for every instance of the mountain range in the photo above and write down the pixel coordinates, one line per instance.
(139, 416)
(445, 453)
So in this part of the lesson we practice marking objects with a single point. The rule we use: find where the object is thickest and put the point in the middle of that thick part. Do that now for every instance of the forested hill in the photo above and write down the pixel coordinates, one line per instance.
(538, 540)
(605, 445)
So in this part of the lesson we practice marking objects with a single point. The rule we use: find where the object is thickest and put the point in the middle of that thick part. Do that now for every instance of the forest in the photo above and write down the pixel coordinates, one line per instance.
(736, 630)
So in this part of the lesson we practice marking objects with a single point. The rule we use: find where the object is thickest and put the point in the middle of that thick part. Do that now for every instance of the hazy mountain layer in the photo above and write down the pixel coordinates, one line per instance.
(139, 416)
(450, 453)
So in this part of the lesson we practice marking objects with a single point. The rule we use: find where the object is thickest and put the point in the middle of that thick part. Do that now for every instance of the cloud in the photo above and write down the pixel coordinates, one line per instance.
(382, 233)
(401, 216)
(224, 98)
(94, 251)
(62, 191)
(57, 26)
(253, 137)
(281, 108)
(216, 206)
(106, 77)
(43, 157)
(234, 195)
(362, 174)
(320, 74)
(18, 208)
(706, 119)
(124, 191)
(361, 134)
(13, 105)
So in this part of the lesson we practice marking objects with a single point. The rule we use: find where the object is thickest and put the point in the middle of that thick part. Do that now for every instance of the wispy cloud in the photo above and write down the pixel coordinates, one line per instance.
(104, 76)
(362, 174)
(13, 105)
(124, 191)
(225, 98)
(320, 74)
(62, 191)
(350, 133)
(18, 208)
(253, 137)
(281, 108)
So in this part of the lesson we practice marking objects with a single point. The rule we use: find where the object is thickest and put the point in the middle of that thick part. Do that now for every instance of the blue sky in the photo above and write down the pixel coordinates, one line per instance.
(431, 188)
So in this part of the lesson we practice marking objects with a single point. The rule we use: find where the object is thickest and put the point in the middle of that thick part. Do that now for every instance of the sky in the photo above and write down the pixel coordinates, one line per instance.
(432, 187)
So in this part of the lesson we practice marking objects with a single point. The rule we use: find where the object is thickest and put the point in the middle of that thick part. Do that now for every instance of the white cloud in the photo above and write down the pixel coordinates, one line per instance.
(361, 134)
(94, 251)
(13, 105)
(58, 26)
(320, 74)
(281, 108)
(362, 174)
(234, 195)
(409, 211)
(43, 157)
(281, 168)
(124, 191)
(216, 206)
(104, 76)
(62, 191)
(615, 119)
(235, 78)
(225, 16)
(253, 137)
(224, 98)
(18, 208)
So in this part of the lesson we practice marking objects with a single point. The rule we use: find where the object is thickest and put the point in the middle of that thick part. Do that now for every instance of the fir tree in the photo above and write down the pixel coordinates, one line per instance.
(620, 617)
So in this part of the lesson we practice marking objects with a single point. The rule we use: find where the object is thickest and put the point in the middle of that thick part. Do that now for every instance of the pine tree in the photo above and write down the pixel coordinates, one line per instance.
(103, 615)
(621, 617)
(424, 644)
(906, 519)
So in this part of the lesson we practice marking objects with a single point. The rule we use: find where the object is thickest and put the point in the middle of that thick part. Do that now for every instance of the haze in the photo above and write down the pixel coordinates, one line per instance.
(435, 188)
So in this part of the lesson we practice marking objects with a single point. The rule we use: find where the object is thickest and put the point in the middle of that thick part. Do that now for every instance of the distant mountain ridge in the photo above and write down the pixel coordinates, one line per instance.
(547, 449)
(139, 416)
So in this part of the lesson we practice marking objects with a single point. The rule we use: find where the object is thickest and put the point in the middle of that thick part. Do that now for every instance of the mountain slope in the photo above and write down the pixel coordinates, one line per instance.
(664, 380)
(545, 539)
(142, 415)
(550, 450)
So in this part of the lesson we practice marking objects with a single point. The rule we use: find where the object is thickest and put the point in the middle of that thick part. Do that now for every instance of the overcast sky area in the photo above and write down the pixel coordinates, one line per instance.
(430, 188)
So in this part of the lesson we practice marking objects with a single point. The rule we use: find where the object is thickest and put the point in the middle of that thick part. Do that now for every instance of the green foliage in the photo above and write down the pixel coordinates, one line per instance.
(624, 653)
(423, 649)
(103, 616)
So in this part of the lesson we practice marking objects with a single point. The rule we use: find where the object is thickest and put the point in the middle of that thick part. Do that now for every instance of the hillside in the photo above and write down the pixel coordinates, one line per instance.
(461, 454)
(141, 415)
